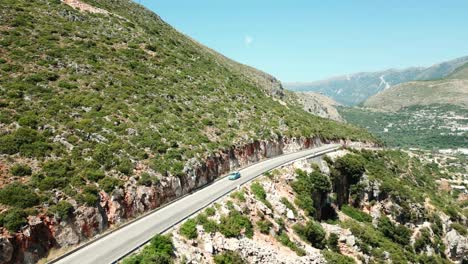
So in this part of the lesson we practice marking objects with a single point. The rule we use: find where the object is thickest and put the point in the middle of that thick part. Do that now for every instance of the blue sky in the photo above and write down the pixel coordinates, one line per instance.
(312, 40)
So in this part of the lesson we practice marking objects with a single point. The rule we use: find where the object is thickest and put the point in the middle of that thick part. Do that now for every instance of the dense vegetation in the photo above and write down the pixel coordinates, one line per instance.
(160, 250)
(428, 127)
(89, 96)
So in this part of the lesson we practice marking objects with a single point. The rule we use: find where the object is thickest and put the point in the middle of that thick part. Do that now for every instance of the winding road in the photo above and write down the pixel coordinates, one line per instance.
(121, 242)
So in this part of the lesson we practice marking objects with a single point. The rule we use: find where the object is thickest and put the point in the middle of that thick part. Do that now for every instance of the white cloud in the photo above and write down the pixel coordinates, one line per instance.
(248, 40)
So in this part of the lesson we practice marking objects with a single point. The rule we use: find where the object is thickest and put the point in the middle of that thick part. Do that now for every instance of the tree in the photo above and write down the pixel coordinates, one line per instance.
(347, 171)
(312, 190)
(311, 232)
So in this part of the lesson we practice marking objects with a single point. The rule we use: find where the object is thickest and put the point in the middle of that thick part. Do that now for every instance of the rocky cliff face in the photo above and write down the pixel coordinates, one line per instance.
(46, 232)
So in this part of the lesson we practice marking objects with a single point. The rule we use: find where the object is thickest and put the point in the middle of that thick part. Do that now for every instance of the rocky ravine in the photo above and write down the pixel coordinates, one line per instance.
(46, 232)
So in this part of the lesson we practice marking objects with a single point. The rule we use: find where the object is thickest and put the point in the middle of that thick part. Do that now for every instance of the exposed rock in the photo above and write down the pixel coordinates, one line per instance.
(6, 250)
(457, 245)
(290, 215)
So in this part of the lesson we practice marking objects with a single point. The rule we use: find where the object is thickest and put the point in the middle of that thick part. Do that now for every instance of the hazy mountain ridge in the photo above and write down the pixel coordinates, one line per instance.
(453, 89)
(355, 88)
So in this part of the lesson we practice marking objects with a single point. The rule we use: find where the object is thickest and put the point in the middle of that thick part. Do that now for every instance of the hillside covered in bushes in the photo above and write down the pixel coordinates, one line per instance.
(97, 95)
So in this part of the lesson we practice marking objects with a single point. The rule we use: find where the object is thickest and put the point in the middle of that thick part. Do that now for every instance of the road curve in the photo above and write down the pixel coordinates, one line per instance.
(112, 247)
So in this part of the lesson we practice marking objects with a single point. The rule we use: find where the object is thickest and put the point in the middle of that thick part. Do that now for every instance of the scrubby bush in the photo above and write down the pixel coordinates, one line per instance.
(57, 168)
(258, 190)
(210, 211)
(239, 195)
(28, 120)
(234, 224)
(398, 233)
(160, 250)
(189, 229)
(125, 166)
(62, 209)
(460, 228)
(108, 184)
(20, 170)
(283, 238)
(260, 193)
(356, 214)
(147, 180)
(18, 195)
(423, 240)
(229, 257)
(264, 226)
(336, 258)
(14, 219)
(312, 232)
(288, 205)
(332, 242)
(89, 195)
(93, 175)
(210, 226)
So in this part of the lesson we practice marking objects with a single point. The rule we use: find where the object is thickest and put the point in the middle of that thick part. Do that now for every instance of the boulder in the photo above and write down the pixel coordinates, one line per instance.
(6, 250)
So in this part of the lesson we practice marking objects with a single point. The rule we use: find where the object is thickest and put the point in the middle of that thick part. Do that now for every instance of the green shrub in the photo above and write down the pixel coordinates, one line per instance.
(283, 238)
(94, 175)
(62, 209)
(57, 168)
(264, 226)
(312, 232)
(356, 214)
(18, 195)
(233, 224)
(108, 184)
(337, 258)
(160, 250)
(229, 257)
(332, 242)
(210, 226)
(398, 233)
(28, 120)
(210, 211)
(189, 229)
(423, 240)
(260, 193)
(14, 219)
(288, 205)
(258, 190)
(239, 195)
(89, 195)
(20, 170)
(125, 166)
(147, 180)
(460, 228)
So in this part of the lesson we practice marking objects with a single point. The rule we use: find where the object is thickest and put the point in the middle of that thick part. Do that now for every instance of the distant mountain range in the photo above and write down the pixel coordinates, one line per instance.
(355, 88)
(452, 89)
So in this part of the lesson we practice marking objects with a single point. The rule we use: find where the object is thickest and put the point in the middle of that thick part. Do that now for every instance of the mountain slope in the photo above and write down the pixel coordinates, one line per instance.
(451, 90)
(319, 104)
(107, 112)
(355, 88)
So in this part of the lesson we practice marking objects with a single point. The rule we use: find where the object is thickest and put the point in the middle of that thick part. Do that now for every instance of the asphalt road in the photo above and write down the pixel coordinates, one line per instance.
(114, 246)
